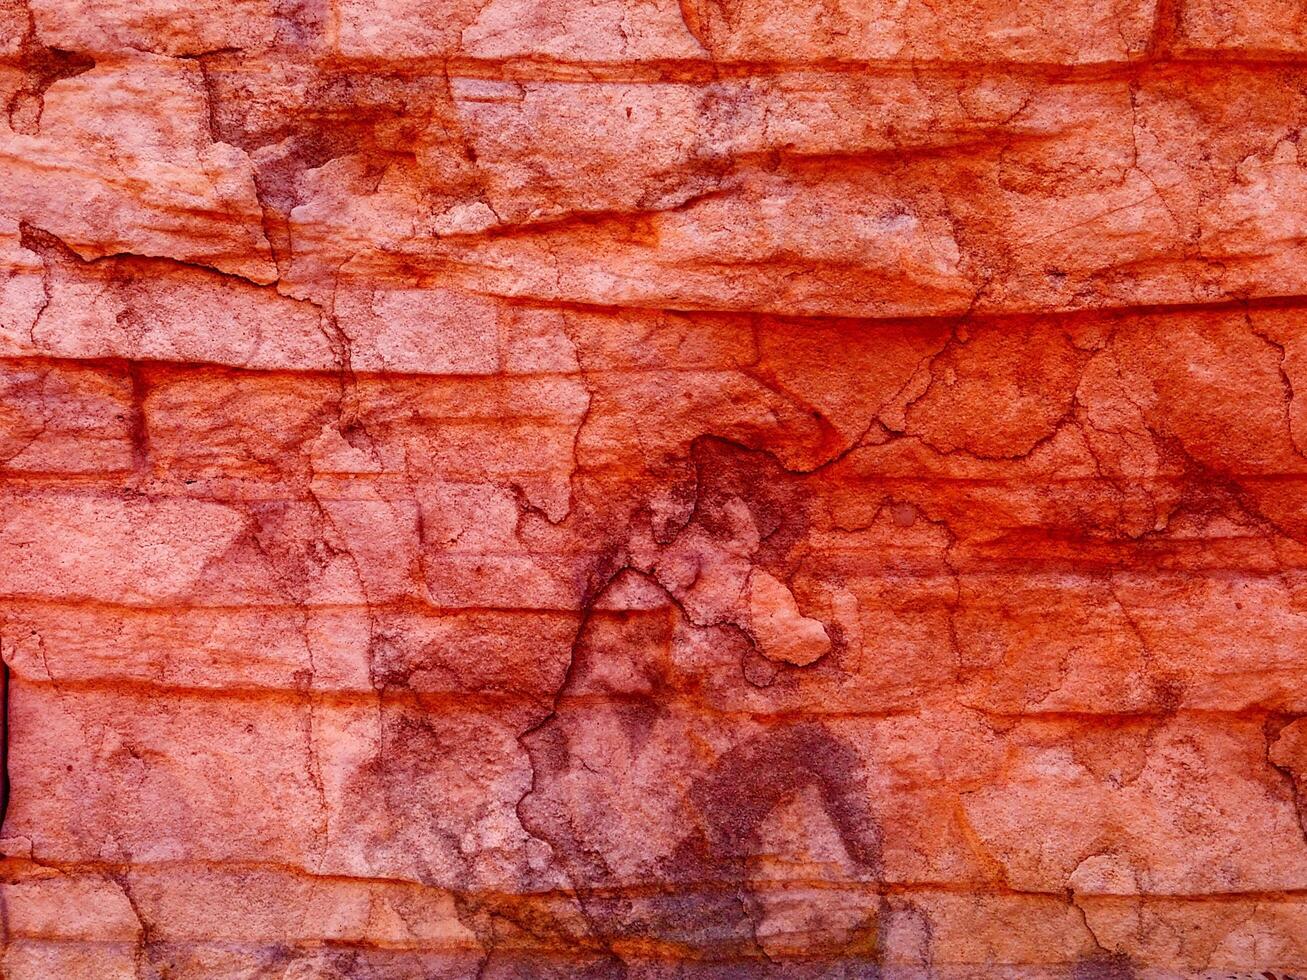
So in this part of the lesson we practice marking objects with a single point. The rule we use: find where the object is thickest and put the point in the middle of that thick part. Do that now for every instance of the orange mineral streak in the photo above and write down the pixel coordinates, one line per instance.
(647, 489)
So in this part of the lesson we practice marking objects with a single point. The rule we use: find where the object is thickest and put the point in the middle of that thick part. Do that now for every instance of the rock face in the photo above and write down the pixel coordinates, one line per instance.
(653, 489)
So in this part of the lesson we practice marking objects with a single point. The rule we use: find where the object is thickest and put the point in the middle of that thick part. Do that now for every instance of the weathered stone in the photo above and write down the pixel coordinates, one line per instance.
(542, 489)
(783, 633)
(1267, 28)
(123, 161)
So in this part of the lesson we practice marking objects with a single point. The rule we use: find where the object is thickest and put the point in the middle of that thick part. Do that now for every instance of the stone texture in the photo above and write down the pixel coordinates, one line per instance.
(648, 489)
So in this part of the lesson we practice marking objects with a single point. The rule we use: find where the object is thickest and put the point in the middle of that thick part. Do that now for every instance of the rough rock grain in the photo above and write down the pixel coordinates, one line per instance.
(653, 489)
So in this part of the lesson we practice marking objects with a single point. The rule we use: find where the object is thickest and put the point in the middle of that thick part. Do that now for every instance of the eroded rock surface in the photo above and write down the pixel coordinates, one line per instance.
(653, 489)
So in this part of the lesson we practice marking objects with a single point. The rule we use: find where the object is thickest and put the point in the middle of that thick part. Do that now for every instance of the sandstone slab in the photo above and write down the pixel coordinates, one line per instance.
(656, 489)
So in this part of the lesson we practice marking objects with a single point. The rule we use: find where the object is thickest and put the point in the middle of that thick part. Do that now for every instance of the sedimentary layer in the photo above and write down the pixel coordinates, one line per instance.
(542, 488)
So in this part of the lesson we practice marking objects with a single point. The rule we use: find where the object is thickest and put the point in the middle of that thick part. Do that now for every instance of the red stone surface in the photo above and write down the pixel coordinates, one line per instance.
(639, 489)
